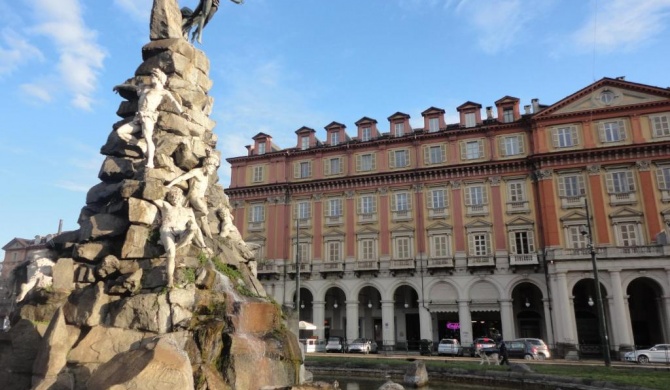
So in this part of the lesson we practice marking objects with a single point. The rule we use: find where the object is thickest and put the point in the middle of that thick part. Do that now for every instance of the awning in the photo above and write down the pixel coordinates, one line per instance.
(304, 325)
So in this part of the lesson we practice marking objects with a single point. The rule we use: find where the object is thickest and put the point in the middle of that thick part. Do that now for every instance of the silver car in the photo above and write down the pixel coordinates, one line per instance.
(659, 353)
(539, 348)
(363, 346)
(449, 347)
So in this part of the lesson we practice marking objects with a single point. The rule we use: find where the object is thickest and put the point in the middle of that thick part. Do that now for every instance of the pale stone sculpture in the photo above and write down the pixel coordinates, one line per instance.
(197, 187)
(150, 96)
(202, 14)
(40, 272)
(178, 228)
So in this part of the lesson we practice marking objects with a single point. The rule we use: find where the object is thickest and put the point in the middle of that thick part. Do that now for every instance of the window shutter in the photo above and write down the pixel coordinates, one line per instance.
(394, 203)
(463, 150)
(443, 149)
(326, 209)
(359, 206)
(601, 132)
(295, 210)
(471, 244)
(358, 163)
(431, 194)
(522, 146)
(326, 167)
(660, 178)
(392, 159)
(485, 195)
(426, 154)
(296, 170)
(575, 138)
(622, 130)
(309, 169)
(531, 241)
(374, 205)
(374, 162)
(561, 186)
(468, 196)
(480, 144)
(610, 183)
(341, 165)
(512, 243)
(501, 147)
(582, 185)
(487, 237)
(554, 137)
(631, 181)
(409, 201)
(408, 160)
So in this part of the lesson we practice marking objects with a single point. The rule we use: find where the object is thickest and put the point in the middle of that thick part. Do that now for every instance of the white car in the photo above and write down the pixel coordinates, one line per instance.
(449, 347)
(659, 353)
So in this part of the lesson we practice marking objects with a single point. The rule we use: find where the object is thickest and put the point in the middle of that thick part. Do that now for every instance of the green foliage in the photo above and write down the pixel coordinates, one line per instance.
(189, 275)
(235, 277)
(202, 258)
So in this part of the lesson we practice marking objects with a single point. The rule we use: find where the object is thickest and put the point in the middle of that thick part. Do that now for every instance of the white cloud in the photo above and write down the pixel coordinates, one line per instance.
(80, 57)
(73, 186)
(139, 10)
(15, 51)
(623, 25)
(36, 91)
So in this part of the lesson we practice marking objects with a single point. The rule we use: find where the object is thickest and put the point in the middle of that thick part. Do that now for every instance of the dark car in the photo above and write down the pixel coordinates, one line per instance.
(482, 343)
(522, 349)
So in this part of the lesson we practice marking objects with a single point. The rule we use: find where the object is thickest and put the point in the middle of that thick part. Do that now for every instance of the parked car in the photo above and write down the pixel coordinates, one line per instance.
(363, 346)
(449, 347)
(336, 344)
(482, 342)
(314, 345)
(521, 349)
(659, 353)
(542, 350)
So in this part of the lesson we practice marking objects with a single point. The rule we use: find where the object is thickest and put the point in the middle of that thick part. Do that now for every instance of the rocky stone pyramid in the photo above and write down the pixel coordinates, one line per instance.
(110, 318)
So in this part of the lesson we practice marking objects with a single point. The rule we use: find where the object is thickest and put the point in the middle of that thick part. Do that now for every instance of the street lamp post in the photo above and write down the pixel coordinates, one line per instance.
(297, 274)
(599, 299)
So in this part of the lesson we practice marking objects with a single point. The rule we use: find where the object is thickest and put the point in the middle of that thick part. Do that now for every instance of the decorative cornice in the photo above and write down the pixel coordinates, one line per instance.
(495, 180)
(643, 165)
(544, 174)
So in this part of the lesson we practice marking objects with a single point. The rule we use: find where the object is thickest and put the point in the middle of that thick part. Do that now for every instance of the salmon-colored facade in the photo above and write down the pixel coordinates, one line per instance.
(478, 223)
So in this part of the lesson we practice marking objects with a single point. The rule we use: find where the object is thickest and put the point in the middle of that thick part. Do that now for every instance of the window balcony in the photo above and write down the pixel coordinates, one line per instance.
(335, 220)
(366, 265)
(402, 264)
(401, 215)
(256, 226)
(481, 261)
(305, 222)
(665, 195)
(367, 218)
(623, 253)
(332, 267)
(304, 267)
(436, 213)
(623, 198)
(476, 209)
(520, 207)
(572, 202)
(523, 259)
(440, 262)
(267, 268)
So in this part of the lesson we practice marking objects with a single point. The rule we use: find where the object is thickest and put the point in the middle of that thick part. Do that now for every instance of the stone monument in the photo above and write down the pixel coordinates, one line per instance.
(156, 289)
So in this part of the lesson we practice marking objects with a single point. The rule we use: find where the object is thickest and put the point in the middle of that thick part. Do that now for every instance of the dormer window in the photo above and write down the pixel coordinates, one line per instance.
(470, 119)
(304, 142)
(433, 125)
(399, 129)
(261, 148)
(366, 134)
(334, 139)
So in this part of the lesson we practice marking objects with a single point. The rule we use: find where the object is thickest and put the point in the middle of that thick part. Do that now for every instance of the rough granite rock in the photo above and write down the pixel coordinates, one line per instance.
(416, 374)
(165, 20)
(56, 343)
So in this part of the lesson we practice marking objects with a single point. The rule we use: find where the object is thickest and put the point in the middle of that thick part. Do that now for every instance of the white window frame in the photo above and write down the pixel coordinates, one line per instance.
(333, 166)
(440, 246)
(433, 125)
(366, 134)
(522, 242)
(366, 162)
(571, 185)
(628, 234)
(303, 210)
(257, 213)
(367, 249)
(304, 142)
(261, 148)
(437, 198)
(575, 239)
(476, 195)
(508, 115)
(516, 191)
(612, 131)
(399, 129)
(334, 251)
(401, 201)
(402, 247)
(565, 136)
(660, 125)
(472, 150)
(334, 207)
(399, 158)
(334, 138)
(367, 204)
(258, 174)
(511, 145)
(663, 177)
(620, 181)
(304, 250)
(470, 119)
(302, 169)
(479, 243)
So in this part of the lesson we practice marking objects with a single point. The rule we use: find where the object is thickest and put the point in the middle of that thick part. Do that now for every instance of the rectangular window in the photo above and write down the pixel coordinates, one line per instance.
(660, 125)
(663, 177)
(399, 158)
(628, 234)
(303, 210)
(470, 119)
(522, 243)
(333, 166)
(257, 213)
(304, 143)
(570, 186)
(436, 199)
(366, 134)
(479, 244)
(402, 248)
(508, 115)
(258, 174)
(367, 205)
(302, 170)
(565, 137)
(334, 138)
(472, 150)
(516, 191)
(365, 162)
(334, 251)
(620, 182)
(439, 246)
(511, 146)
(367, 249)
(303, 252)
(399, 129)
(261, 148)
(433, 125)
(576, 239)
(334, 208)
(400, 201)
(614, 131)
(475, 196)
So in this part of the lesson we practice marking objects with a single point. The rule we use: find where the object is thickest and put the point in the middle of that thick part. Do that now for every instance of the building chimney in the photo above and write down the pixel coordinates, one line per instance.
(489, 112)
(536, 105)
(526, 108)
(60, 226)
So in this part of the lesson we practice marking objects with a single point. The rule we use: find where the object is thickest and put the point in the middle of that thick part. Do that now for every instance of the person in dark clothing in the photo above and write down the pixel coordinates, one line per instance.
(503, 353)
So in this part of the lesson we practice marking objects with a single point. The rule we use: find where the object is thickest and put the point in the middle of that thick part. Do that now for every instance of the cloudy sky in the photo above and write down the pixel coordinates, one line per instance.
(278, 65)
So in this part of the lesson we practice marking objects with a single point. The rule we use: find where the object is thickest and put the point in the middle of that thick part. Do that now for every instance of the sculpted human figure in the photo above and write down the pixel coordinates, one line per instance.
(39, 274)
(202, 14)
(198, 180)
(178, 228)
(150, 96)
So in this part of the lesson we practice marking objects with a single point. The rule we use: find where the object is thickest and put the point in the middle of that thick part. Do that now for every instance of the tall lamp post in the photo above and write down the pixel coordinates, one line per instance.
(297, 273)
(599, 300)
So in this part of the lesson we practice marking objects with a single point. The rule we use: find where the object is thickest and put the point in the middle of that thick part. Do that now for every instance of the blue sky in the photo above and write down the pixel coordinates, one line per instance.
(278, 65)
